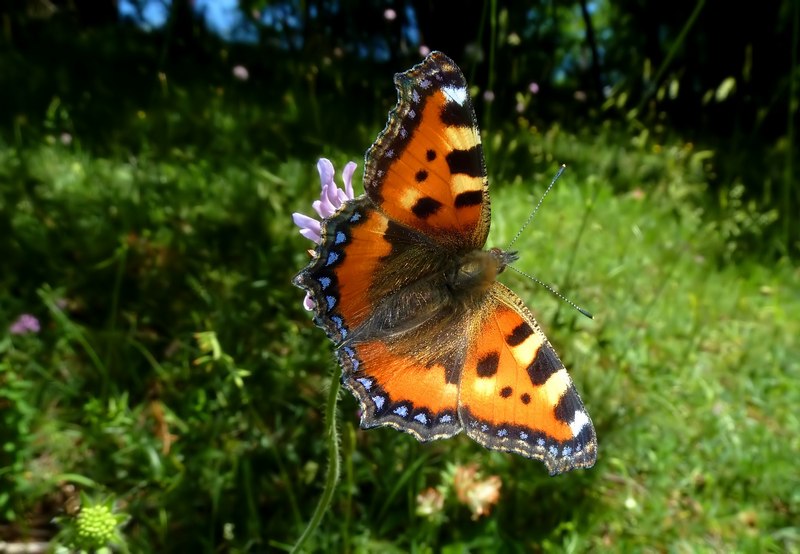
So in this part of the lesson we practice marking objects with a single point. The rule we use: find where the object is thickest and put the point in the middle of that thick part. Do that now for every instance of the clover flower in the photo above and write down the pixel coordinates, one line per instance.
(331, 199)
(429, 502)
(479, 495)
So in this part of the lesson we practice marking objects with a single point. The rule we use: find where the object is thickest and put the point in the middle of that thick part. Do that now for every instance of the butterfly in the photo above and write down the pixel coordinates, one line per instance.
(429, 341)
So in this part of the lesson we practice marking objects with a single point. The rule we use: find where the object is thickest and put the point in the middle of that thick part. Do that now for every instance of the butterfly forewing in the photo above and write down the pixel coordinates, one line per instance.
(426, 168)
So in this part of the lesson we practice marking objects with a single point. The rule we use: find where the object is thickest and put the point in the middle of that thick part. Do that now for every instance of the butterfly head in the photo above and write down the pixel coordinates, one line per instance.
(503, 257)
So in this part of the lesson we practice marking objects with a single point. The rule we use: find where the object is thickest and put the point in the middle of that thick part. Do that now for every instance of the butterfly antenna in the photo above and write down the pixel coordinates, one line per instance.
(552, 290)
(536, 209)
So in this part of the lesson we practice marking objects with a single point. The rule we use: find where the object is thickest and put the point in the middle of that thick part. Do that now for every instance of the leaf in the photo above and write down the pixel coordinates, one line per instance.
(726, 87)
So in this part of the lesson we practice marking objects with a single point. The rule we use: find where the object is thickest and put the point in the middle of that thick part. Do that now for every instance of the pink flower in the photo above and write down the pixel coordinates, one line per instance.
(533, 87)
(478, 495)
(25, 324)
(389, 14)
(331, 198)
(424, 50)
(241, 72)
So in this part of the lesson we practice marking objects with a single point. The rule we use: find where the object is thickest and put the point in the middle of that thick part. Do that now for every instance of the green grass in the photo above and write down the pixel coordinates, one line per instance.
(216, 441)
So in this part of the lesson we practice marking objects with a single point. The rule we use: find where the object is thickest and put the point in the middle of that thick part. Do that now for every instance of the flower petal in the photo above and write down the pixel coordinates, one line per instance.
(317, 205)
(347, 177)
(311, 235)
(325, 168)
(309, 227)
(333, 197)
(305, 222)
(326, 207)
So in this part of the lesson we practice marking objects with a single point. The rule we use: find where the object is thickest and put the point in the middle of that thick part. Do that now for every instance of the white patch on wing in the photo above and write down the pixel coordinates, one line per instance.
(578, 422)
(456, 94)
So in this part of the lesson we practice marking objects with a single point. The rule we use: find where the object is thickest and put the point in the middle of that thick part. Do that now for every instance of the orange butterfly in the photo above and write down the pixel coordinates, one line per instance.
(430, 342)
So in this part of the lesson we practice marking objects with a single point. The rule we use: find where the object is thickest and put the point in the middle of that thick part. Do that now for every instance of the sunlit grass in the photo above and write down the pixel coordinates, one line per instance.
(689, 368)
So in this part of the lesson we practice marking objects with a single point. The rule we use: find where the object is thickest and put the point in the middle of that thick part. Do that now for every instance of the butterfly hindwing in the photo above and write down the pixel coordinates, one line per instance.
(515, 394)
(378, 293)
(426, 169)
(395, 389)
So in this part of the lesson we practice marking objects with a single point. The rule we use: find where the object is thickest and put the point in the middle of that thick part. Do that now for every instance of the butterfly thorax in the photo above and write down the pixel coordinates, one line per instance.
(424, 289)
(474, 272)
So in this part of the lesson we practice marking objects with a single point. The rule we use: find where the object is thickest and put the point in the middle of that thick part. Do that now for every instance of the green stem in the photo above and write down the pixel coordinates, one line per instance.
(676, 45)
(333, 462)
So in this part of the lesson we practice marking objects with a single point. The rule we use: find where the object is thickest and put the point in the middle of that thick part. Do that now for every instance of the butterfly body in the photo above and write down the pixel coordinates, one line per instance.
(430, 342)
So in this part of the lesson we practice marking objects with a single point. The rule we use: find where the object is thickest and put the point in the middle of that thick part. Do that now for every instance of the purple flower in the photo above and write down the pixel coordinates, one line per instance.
(331, 198)
(25, 324)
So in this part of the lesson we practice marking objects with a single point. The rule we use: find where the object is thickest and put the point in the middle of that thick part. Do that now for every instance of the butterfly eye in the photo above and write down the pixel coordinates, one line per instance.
(470, 270)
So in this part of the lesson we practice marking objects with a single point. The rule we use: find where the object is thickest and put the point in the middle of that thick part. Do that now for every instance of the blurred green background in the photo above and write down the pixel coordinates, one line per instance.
(162, 388)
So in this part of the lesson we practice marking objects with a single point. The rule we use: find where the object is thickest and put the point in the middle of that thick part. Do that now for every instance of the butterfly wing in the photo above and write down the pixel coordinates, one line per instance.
(376, 275)
(426, 169)
(396, 389)
(515, 394)
(370, 297)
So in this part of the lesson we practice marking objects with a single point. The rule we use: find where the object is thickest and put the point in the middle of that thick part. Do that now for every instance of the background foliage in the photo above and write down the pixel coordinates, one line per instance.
(147, 177)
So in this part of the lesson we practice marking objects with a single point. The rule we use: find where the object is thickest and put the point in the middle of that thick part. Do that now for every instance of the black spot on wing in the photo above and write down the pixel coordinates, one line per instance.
(505, 392)
(426, 207)
(455, 115)
(567, 405)
(398, 237)
(469, 198)
(487, 366)
(544, 365)
(421, 176)
(430, 155)
(453, 362)
(466, 162)
(526, 398)
(519, 334)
